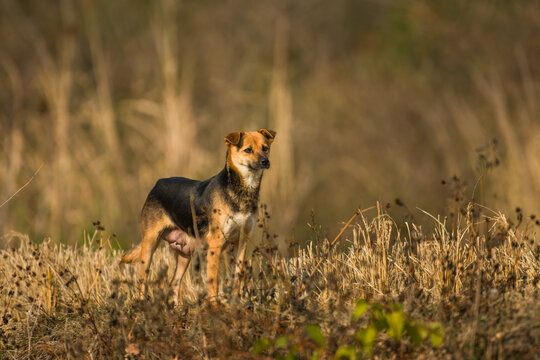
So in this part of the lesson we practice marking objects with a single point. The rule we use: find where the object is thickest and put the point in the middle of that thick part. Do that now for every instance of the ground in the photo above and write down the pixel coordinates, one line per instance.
(472, 280)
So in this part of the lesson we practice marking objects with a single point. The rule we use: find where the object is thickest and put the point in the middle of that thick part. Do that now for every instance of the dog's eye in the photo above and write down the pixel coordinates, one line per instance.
(264, 148)
(248, 150)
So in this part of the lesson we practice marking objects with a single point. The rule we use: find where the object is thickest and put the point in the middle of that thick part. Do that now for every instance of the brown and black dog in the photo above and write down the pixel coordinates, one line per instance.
(223, 209)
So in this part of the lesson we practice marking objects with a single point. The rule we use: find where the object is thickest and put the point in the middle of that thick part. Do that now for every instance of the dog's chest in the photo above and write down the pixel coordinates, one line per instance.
(234, 223)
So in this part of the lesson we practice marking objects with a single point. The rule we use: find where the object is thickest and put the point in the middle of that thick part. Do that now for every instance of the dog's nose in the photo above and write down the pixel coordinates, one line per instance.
(265, 163)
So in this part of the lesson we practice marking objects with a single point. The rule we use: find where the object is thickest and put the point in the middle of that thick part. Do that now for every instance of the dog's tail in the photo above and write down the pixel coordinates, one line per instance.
(133, 255)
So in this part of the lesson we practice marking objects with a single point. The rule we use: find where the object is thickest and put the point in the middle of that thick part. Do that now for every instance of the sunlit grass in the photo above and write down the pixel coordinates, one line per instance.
(479, 280)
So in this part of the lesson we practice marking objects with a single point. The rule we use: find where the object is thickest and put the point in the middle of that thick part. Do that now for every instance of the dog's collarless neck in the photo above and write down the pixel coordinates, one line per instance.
(240, 184)
(241, 197)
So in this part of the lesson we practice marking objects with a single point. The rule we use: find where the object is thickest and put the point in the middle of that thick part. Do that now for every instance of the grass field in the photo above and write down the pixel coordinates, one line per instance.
(475, 274)
(387, 97)
(371, 101)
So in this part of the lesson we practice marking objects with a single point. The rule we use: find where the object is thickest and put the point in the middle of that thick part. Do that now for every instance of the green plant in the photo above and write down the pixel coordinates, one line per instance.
(392, 322)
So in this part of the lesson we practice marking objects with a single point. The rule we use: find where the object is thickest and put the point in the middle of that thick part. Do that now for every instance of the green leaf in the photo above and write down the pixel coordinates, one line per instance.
(316, 355)
(379, 318)
(260, 346)
(367, 337)
(381, 324)
(359, 309)
(281, 342)
(396, 323)
(292, 355)
(377, 309)
(314, 333)
(346, 352)
(417, 333)
(436, 333)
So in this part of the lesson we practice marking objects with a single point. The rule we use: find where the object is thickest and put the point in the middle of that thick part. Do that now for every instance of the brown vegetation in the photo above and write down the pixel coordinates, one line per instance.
(371, 100)
(479, 280)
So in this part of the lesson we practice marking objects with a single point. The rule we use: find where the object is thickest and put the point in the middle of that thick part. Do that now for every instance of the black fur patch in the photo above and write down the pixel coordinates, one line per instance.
(176, 195)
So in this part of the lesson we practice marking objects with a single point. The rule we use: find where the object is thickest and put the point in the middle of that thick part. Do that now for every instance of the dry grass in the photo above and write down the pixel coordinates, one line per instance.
(480, 280)
(370, 100)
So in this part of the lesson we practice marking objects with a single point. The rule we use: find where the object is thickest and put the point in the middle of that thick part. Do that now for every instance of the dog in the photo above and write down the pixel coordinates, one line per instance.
(188, 213)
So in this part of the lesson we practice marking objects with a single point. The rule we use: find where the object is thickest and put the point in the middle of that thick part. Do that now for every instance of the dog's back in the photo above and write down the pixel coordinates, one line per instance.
(178, 196)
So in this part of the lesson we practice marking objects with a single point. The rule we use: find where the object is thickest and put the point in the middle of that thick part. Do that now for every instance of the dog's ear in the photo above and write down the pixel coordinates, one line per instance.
(268, 134)
(234, 138)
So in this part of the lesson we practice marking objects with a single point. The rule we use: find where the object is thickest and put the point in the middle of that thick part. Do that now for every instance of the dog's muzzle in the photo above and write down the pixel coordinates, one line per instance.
(265, 163)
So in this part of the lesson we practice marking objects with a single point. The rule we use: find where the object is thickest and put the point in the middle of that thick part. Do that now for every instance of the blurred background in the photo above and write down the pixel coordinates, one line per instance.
(371, 101)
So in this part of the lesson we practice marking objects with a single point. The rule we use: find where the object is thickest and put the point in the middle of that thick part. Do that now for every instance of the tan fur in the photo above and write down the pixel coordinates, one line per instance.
(133, 255)
(145, 250)
(225, 225)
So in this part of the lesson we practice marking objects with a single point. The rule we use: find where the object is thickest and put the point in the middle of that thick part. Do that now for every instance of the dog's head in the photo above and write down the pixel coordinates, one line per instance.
(249, 151)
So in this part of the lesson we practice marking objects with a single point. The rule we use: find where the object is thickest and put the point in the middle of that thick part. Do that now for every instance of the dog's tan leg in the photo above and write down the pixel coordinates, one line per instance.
(239, 268)
(215, 247)
(148, 247)
(182, 264)
(239, 275)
